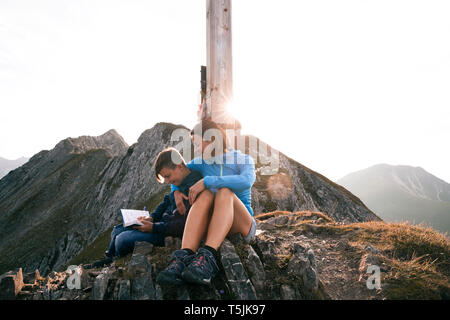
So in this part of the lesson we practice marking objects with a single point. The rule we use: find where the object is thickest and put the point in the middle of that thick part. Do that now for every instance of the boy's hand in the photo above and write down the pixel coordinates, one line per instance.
(147, 224)
(195, 190)
(179, 201)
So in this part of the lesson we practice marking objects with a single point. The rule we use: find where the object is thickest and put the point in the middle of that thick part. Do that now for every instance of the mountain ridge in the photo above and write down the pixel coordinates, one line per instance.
(315, 239)
(62, 199)
(399, 193)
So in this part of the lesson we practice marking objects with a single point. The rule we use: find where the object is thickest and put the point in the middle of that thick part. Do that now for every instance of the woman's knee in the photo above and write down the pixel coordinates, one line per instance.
(207, 193)
(224, 193)
(206, 196)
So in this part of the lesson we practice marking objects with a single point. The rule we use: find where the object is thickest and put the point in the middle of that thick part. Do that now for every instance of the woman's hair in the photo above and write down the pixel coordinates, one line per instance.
(167, 158)
(204, 125)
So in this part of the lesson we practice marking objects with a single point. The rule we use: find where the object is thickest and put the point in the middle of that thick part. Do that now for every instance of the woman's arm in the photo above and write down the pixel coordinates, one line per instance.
(239, 182)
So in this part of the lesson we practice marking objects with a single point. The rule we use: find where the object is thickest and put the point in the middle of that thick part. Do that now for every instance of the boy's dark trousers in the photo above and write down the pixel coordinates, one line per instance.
(123, 239)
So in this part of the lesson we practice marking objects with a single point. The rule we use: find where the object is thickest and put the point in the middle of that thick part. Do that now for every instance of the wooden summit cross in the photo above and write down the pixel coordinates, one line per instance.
(219, 68)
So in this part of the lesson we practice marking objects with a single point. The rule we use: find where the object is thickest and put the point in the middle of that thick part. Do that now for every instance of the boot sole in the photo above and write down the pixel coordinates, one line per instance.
(190, 277)
(162, 279)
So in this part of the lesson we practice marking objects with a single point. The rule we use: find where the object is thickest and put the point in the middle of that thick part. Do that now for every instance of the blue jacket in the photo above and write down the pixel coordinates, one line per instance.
(233, 170)
(167, 221)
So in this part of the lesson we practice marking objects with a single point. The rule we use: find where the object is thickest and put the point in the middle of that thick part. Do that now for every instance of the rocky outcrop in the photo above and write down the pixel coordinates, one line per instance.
(294, 256)
(242, 276)
(58, 203)
(45, 217)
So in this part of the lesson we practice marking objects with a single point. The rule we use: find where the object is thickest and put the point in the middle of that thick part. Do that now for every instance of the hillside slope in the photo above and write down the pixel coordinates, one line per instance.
(402, 193)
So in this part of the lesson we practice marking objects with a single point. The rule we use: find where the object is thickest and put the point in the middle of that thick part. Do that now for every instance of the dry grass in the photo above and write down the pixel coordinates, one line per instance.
(417, 257)
(304, 215)
(404, 241)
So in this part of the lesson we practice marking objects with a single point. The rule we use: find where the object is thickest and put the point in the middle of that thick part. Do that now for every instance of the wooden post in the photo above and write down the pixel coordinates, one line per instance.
(219, 62)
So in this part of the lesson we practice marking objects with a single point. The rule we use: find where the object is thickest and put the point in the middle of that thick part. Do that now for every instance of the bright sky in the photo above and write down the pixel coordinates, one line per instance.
(337, 85)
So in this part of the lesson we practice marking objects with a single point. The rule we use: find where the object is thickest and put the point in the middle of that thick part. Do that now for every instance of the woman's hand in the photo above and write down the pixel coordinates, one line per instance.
(195, 190)
(147, 224)
(179, 201)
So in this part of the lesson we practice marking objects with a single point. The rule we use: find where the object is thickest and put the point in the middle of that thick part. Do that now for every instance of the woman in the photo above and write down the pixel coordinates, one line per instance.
(220, 206)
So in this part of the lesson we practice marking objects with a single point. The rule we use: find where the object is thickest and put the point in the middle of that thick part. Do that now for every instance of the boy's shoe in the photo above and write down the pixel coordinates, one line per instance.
(172, 274)
(100, 263)
(202, 268)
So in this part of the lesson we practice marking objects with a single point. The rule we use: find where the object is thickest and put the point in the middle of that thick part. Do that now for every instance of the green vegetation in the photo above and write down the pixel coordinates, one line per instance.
(94, 251)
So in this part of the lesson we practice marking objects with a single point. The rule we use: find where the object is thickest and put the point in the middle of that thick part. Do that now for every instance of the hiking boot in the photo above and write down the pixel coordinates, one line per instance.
(202, 269)
(172, 274)
(100, 263)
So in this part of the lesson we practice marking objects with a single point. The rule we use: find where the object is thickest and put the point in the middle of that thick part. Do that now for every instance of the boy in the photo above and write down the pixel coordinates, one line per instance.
(165, 220)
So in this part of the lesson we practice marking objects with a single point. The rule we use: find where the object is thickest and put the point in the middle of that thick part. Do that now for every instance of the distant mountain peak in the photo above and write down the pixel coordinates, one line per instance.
(8, 165)
(402, 192)
(111, 141)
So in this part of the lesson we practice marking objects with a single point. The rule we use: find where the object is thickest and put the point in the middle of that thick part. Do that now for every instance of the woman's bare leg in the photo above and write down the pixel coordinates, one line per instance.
(230, 216)
(197, 221)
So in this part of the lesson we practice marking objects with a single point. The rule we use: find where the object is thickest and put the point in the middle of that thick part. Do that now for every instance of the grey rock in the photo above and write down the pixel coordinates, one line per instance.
(142, 247)
(142, 287)
(312, 258)
(236, 238)
(183, 293)
(168, 241)
(255, 269)
(267, 249)
(300, 248)
(304, 266)
(177, 243)
(310, 280)
(298, 264)
(124, 290)
(100, 285)
(288, 293)
(56, 295)
(158, 292)
(237, 278)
